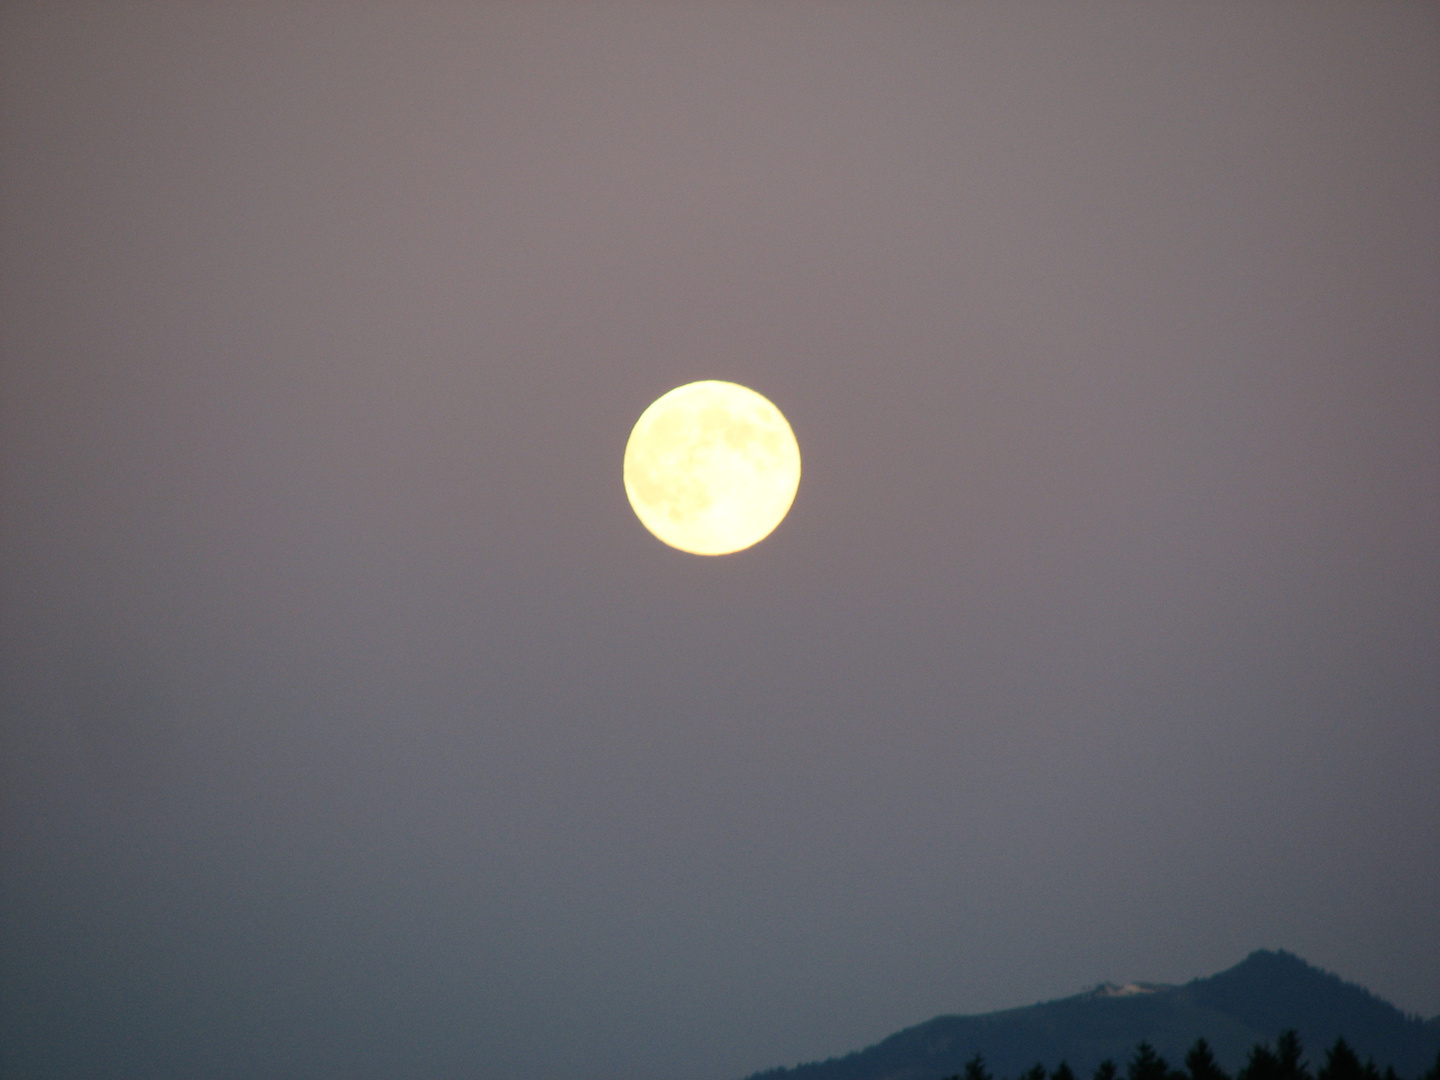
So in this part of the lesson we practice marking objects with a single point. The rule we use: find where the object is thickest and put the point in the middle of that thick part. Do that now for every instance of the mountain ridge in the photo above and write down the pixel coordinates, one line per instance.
(1267, 992)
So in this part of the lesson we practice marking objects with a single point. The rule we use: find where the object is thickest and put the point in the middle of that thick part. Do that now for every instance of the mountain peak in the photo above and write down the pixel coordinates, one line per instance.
(1268, 992)
(1267, 989)
(1277, 960)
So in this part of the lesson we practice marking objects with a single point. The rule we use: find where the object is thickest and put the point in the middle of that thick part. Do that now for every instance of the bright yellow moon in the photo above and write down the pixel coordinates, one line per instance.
(711, 468)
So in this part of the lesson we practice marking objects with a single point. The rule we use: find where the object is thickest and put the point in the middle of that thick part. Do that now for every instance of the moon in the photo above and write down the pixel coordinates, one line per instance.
(711, 467)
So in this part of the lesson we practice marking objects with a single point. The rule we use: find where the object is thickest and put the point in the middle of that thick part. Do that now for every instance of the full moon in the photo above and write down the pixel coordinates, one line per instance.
(711, 467)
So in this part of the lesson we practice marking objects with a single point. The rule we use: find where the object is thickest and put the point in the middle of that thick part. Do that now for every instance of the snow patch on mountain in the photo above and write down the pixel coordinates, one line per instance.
(1125, 990)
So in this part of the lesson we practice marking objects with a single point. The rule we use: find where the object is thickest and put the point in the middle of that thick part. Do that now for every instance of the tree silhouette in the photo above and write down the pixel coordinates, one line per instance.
(1284, 1061)
(1200, 1063)
(1289, 1052)
(1146, 1064)
(1262, 1064)
(1341, 1063)
(975, 1069)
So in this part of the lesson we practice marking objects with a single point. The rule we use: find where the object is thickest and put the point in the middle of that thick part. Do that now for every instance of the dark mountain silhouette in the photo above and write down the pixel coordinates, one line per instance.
(1250, 1003)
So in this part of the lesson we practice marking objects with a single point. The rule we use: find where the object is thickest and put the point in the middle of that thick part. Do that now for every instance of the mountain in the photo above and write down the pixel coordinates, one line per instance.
(1252, 1002)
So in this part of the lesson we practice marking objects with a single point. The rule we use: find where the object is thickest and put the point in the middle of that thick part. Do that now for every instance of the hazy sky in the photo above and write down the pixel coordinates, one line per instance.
(354, 727)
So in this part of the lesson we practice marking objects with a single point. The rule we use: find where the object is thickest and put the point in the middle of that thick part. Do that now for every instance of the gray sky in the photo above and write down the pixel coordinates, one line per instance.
(352, 724)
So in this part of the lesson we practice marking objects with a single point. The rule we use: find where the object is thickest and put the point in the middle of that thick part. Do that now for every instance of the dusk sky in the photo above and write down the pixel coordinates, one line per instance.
(354, 727)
